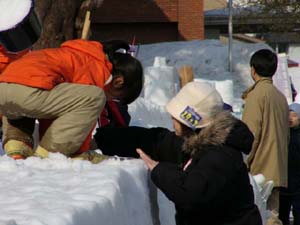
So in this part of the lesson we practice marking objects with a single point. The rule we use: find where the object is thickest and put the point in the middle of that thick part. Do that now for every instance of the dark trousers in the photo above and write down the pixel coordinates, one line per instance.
(287, 202)
(290, 196)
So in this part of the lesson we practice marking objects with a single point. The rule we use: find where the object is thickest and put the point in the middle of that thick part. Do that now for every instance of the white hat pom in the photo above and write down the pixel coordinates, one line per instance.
(12, 12)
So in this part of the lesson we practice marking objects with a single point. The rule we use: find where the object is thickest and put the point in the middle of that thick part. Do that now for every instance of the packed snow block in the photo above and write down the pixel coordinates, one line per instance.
(61, 191)
(147, 114)
(211, 82)
(166, 209)
(225, 88)
(160, 82)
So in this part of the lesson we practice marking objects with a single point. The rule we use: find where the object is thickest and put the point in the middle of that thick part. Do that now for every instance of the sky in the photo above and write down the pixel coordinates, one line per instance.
(61, 191)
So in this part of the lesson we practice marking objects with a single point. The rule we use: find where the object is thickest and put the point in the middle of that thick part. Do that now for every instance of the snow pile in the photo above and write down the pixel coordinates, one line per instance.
(209, 59)
(13, 12)
(60, 191)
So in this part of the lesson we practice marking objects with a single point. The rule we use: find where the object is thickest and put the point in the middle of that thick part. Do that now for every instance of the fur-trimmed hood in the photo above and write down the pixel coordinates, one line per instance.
(224, 129)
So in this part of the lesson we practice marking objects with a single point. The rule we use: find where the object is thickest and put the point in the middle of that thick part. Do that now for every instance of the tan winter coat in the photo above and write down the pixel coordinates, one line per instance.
(266, 113)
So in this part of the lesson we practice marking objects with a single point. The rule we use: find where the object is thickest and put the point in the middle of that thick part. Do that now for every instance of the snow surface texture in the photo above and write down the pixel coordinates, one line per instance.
(59, 191)
(13, 12)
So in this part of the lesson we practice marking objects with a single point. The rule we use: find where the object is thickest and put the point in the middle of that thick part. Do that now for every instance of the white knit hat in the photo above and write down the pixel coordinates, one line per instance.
(295, 107)
(195, 104)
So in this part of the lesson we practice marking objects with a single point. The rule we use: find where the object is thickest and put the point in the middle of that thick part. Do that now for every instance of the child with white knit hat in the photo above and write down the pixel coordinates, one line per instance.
(290, 196)
(294, 114)
(199, 166)
(213, 175)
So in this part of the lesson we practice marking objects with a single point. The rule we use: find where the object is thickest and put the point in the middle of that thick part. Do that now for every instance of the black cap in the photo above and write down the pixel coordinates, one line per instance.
(23, 35)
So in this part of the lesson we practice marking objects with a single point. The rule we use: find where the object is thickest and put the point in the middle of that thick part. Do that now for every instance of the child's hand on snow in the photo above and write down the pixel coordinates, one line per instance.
(149, 162)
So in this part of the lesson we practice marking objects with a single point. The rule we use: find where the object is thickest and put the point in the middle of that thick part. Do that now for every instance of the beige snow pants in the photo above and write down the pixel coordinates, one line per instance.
(73, 107)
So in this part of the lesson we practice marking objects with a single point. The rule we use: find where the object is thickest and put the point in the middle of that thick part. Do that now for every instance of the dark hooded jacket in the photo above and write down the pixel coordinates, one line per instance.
(215, 188)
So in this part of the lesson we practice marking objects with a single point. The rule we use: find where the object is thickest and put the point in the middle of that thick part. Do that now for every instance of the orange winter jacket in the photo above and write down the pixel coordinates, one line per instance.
(6, 57)
(76, 61)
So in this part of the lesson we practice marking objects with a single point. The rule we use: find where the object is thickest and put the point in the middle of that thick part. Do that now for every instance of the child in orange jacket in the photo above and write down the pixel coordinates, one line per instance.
(68, 85)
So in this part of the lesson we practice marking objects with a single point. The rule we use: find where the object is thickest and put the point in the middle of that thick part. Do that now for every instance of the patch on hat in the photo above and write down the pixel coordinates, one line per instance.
(190, 116)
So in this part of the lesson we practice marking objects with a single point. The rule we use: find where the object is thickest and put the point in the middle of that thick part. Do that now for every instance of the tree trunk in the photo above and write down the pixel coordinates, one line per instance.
(61, 20)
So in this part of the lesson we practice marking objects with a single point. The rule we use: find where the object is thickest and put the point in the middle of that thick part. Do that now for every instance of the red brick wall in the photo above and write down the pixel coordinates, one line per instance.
(149, 21)
(190, 19)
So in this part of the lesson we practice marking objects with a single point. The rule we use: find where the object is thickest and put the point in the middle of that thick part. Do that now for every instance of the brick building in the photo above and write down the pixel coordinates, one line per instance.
(149, 21)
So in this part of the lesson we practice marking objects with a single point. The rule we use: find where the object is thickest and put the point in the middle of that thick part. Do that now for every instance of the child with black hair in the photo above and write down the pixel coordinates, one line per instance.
(68, 85)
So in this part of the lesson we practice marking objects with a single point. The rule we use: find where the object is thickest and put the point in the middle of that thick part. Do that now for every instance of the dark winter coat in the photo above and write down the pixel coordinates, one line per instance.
(294, 149)
(293, 164)
(215, 188)
(290, 196)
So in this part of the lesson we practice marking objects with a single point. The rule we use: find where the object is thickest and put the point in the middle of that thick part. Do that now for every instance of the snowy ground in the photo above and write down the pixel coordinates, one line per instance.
(59, 191)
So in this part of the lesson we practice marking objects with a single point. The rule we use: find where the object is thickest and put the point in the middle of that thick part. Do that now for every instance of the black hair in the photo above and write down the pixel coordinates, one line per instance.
(264, 62)
(132, 71)
(111, 46)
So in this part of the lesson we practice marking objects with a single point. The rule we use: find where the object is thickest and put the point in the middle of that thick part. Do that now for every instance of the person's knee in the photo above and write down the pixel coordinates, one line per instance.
(100, 98)
(96, 97)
